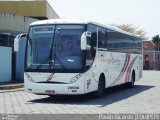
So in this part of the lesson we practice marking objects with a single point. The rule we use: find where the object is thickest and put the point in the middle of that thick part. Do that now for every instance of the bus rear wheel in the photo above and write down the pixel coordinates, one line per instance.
(101, 87)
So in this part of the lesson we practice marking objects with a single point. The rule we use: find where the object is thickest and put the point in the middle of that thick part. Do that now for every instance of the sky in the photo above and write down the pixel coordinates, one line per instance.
(144, 14)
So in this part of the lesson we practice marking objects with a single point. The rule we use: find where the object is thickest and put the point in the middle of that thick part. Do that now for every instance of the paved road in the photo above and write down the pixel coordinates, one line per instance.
(143, 98)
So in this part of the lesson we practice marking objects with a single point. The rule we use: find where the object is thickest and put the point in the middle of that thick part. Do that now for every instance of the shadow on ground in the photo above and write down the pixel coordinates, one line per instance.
(112, 95)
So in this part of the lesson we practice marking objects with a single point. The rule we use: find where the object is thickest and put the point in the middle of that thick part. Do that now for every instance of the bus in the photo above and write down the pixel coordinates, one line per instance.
(73, 57)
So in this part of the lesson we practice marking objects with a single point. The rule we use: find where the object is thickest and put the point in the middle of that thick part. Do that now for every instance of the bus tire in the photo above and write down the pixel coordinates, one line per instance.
(131, 83)
(101, 87)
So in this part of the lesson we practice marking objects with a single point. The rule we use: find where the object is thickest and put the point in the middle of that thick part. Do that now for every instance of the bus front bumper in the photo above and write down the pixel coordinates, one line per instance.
(54, 89)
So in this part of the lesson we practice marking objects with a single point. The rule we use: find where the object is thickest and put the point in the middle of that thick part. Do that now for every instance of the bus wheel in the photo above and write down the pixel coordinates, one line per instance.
(101, 87)
(131, 83)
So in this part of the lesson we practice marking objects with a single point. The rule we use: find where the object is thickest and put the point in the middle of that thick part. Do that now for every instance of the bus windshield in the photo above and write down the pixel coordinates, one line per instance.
(54, 47)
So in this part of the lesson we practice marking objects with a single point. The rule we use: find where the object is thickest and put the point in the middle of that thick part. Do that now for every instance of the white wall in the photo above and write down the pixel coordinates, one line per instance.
(20, 59)
(5, 64)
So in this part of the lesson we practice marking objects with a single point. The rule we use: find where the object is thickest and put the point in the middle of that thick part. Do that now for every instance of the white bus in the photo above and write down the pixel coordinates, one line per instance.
(72, 57)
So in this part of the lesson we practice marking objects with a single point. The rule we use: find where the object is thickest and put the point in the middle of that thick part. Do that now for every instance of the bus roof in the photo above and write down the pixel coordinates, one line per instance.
(79, 21)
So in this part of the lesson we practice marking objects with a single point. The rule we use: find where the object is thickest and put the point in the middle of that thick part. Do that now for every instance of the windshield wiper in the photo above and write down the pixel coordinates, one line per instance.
(51, 54)
(51, 51)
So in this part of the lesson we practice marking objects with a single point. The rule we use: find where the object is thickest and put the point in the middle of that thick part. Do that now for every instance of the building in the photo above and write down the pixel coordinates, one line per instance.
(15, 18)
(151, 57)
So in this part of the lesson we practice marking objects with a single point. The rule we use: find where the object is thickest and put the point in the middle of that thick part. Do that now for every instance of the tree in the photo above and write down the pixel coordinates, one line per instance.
(131, 29)
(156, 41)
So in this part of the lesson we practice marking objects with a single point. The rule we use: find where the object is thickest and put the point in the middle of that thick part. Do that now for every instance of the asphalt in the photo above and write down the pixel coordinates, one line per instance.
(11, 85)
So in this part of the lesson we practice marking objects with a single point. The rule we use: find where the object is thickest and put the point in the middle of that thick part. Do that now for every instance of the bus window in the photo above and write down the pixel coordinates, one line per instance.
(92, 44)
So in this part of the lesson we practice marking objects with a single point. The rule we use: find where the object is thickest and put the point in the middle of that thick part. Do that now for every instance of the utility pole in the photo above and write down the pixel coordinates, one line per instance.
(158, 44)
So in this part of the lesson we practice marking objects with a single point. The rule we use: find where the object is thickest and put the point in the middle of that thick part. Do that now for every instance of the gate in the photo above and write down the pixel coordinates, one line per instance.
(151, 60)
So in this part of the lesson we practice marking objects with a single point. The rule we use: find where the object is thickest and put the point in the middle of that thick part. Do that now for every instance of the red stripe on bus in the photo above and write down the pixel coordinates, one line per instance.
(127, 60)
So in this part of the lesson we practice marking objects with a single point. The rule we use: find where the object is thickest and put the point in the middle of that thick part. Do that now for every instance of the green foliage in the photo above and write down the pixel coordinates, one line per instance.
(156, 41)
(131, 29)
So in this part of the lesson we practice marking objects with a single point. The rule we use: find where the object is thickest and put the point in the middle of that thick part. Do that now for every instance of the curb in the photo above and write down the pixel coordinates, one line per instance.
(12, 90)
(12, 86)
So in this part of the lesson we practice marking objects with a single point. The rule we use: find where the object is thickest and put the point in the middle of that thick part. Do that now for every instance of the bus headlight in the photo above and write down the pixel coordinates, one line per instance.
(75, 78)
(29, 77)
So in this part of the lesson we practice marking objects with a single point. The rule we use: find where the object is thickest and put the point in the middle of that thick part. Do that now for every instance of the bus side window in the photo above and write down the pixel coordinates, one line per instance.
(102, 37)
(92, 44)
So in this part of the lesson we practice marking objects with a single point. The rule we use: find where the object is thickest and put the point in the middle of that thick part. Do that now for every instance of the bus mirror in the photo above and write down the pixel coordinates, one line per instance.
(84, 40)
(16, 41)
(88, 34)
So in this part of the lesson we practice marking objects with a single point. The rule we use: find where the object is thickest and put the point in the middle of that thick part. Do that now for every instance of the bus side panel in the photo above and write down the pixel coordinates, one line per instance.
(108, 63)
(113, 65)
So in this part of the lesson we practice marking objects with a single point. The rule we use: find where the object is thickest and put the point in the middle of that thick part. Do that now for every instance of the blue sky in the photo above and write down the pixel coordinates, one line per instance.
(141, 13)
